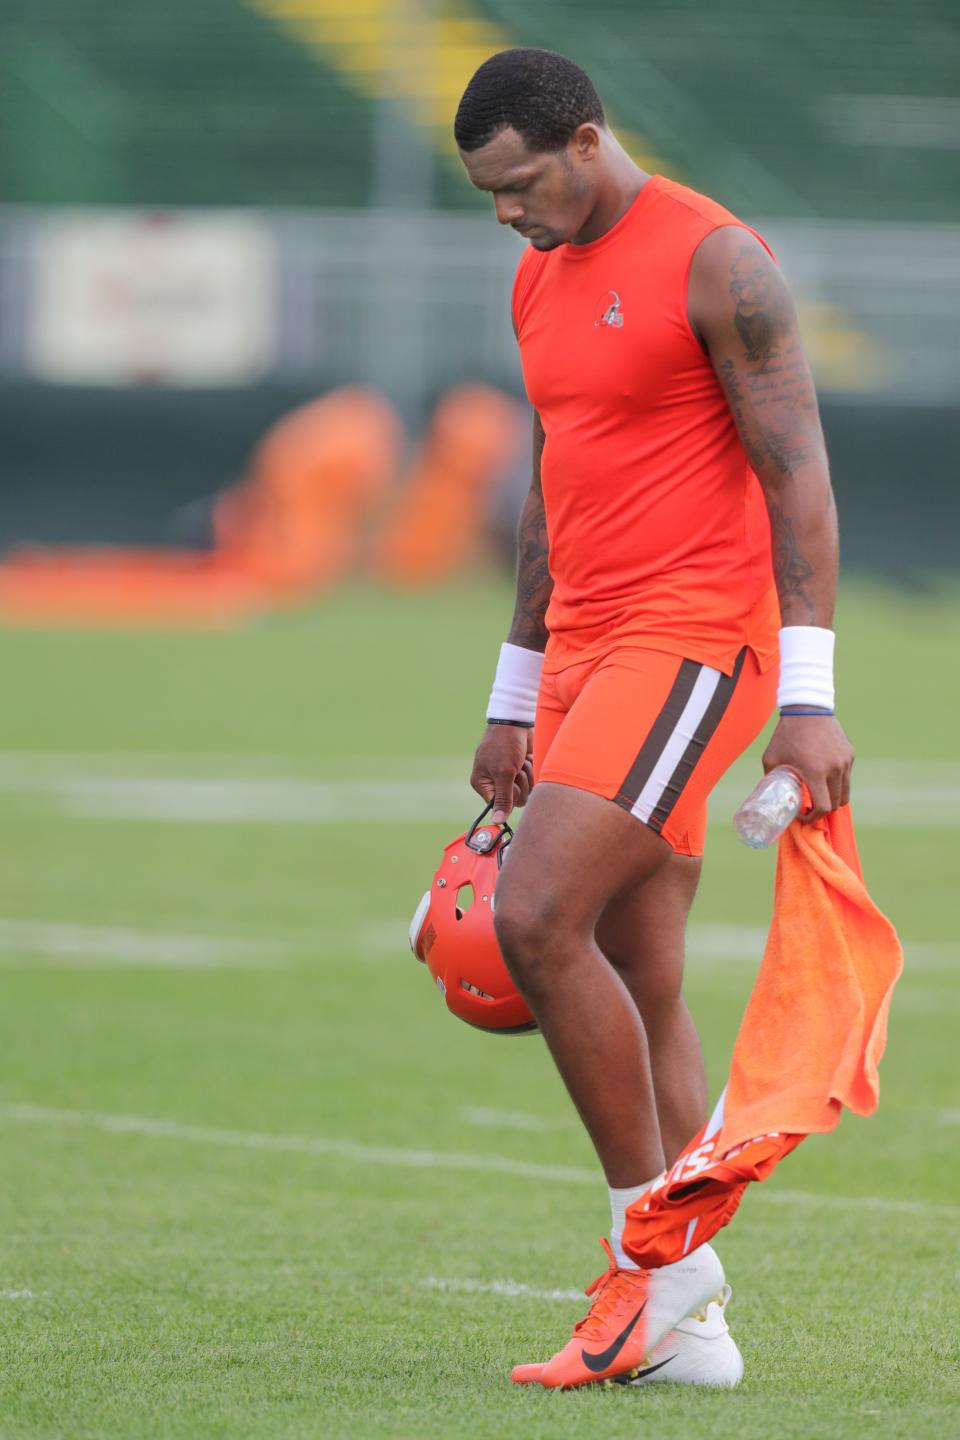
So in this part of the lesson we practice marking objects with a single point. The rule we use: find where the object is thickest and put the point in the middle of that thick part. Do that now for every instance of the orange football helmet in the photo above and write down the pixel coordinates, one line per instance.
(452, 931)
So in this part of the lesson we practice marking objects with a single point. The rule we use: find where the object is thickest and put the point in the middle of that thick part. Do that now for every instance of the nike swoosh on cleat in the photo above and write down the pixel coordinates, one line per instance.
(596, 1363)
(631, 1377)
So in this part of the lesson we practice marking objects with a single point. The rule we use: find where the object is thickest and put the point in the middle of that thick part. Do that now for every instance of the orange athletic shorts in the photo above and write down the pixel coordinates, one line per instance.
(652, 732)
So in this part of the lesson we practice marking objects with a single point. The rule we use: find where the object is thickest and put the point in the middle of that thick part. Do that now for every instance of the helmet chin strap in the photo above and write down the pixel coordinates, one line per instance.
(485, 841)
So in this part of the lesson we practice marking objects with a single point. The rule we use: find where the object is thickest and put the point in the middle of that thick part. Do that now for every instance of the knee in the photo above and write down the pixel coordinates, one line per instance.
(658, 999)
(655, 981)
(658, 996)
(529, 932)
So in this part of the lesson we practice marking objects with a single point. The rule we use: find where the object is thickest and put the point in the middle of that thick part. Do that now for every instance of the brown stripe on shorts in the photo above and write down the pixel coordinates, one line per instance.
(704, 732)
(660, 732)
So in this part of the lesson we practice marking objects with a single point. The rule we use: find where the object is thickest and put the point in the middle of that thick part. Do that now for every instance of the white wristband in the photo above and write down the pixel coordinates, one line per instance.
(806, 667)
(516, 685)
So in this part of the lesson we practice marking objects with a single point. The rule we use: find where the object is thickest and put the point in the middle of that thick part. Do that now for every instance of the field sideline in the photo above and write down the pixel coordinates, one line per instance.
(259, 1184)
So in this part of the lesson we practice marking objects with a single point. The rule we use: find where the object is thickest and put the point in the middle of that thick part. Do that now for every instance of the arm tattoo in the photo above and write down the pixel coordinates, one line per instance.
(771, 392)
(786, 448)
(761, 316)
(534, 583)
(791, 568)
(539, 440)
(773, 403)
(754, 448)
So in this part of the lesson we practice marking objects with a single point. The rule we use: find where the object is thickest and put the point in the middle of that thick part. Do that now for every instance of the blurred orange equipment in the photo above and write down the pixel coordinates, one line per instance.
(475, 435)
(316, 476)
(290, 528)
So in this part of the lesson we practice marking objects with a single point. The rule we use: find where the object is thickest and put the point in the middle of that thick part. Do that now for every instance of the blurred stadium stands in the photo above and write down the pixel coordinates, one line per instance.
(214, 210)
(784, 109)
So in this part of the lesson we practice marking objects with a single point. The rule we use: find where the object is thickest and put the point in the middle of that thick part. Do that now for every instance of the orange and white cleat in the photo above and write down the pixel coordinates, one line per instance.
(631, 1313)
(698, 1351)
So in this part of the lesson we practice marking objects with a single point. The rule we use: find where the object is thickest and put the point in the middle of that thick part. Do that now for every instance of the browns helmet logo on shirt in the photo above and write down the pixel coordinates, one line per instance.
(608, 311)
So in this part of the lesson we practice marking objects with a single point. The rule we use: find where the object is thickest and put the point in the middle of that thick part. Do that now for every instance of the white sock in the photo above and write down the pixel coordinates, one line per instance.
(620, 1200)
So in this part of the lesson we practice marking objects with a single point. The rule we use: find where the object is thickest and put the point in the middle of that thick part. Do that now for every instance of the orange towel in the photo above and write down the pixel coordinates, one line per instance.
(810, 1043)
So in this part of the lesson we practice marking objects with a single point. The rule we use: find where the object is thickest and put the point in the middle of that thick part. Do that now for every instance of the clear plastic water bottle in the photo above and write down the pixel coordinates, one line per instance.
(769, 808)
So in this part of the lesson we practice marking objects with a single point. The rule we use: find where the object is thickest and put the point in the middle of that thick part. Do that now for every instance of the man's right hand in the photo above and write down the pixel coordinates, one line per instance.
(503, 768)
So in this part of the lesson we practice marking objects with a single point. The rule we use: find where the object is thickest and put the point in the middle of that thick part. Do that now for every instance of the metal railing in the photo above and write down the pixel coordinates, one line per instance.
(413, 301)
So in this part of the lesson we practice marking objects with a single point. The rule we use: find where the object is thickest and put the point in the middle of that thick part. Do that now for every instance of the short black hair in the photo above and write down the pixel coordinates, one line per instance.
(543, 96)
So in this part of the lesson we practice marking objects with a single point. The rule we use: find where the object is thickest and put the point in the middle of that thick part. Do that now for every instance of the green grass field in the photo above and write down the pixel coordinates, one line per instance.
(257, 1183)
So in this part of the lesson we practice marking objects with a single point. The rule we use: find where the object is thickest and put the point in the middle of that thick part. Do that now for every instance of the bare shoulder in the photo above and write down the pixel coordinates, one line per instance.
(724, 246)
(735, 281)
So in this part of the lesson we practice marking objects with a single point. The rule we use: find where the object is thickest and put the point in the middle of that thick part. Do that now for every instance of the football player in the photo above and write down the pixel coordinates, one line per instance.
(676, 581)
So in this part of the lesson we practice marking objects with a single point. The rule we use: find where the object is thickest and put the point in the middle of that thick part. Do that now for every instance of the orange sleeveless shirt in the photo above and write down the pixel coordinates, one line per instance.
(658, 528)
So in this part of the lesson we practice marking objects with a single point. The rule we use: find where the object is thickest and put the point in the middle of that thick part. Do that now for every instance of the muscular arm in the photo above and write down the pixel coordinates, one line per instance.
(534, 584)
(741, 308)
(744, 313)
(503, 765)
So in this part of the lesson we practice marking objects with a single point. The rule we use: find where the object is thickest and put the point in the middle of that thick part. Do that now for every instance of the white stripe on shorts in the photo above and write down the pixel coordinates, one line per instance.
(676, 744)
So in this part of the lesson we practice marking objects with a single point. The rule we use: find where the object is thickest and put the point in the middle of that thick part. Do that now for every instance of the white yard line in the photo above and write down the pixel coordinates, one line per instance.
(878, 1204)
(252, 764)
(323, 802)
(914, 1000)
(512, 1120)
(312, 802)
(718, 942)
(512, 1289)
(38, 1116)
(708, 945)
(344, 1149)
(96, 945)
(70, 945)
(127, 786)
(20, 766)
(80, 945)
(926, 957)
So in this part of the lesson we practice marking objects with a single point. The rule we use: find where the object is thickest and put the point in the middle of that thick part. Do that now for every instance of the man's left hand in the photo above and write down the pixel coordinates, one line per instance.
(817, 748)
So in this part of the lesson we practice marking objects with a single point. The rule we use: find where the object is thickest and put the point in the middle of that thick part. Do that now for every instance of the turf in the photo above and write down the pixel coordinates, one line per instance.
(239, 1279)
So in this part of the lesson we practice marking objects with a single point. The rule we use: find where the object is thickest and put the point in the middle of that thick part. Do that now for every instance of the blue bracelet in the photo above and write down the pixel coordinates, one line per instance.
(790, 713)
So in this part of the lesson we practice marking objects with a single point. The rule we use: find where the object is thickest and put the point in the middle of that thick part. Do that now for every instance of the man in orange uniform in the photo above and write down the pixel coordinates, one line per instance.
(675, 433)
